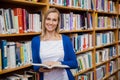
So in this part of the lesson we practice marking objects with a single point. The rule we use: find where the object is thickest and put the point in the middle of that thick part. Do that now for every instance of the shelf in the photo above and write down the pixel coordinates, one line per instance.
(105, 29)
(113, 57)
(79, 52)
(108, 13)
(22, 34)
(97, 47)
(75, 31)
(101, 63)
(104, 62)
(70, 8)
(14, 69)
(81, 72)
(22, 2)
(107, 76)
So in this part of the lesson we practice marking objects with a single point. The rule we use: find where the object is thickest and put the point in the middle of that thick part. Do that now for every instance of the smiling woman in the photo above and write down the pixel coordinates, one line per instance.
(51, 24)
(52, 48)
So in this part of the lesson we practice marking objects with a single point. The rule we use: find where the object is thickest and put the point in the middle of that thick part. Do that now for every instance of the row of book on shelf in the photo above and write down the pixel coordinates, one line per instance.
(18, 20)
(102, 55)
(105, 54)
(100, 5)
(72, 21)
(86, 4)
(27, 75)
(85, 60)
(84, 21)
(103, 22)
(14, 54)
(105, 38)
(86, 76)
(106, 6)
(100, 74)
(84, 41)
(101, 71)
(113, 77)
(81, 41)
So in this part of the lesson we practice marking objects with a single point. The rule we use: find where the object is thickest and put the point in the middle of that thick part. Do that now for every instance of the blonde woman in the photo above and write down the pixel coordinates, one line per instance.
(52, 48)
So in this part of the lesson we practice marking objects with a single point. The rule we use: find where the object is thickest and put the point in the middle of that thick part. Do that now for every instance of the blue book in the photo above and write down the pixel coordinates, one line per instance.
(17, 51)
(3, 44)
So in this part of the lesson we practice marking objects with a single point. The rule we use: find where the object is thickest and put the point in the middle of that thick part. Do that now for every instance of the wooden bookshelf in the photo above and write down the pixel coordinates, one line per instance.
(15, 69)
(22, 34)
(96, 14)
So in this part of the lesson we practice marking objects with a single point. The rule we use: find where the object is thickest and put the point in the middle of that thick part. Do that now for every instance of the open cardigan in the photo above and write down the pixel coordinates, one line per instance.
(69, 55)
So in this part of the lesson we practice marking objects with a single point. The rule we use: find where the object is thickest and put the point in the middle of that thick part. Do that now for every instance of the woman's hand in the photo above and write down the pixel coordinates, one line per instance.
(50, 63)
(44, 70)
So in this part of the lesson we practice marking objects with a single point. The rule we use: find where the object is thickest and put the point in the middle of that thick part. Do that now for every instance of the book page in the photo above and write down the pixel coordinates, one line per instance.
(50, 67)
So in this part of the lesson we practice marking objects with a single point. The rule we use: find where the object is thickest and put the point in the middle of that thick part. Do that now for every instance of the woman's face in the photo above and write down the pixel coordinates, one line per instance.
(51, 22)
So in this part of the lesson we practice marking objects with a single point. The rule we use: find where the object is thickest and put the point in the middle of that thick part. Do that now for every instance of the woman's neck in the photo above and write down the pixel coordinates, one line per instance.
(52, 36)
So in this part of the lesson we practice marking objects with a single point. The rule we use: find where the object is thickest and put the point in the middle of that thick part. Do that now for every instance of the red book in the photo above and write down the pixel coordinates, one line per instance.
(24, 19)
(18, 12)
(84, 43)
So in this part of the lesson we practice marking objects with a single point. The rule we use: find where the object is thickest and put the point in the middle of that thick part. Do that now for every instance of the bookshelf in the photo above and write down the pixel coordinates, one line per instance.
(98, 25)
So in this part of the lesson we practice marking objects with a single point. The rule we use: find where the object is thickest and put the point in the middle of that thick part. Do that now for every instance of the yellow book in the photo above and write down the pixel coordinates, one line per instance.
(22, 54)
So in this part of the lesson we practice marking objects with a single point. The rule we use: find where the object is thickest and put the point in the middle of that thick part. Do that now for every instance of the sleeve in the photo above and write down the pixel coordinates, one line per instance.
(35, 57)
(70, 56)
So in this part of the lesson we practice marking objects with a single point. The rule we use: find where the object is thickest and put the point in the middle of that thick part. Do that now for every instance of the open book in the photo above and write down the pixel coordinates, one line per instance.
(50, 67)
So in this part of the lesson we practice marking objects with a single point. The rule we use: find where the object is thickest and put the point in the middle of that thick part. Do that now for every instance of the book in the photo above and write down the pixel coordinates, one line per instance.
(24, 76)
(13, 78)
(50, 67)
(35, 75)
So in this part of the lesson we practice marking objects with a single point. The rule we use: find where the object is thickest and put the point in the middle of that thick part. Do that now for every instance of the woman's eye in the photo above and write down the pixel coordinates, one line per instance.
(48, 19)
(54, 20)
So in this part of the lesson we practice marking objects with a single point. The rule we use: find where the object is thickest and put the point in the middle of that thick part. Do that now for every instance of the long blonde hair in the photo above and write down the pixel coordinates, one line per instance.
(51, 10)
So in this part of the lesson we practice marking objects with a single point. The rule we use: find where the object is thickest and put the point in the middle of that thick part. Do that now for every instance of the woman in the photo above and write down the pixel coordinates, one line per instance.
(53, 48)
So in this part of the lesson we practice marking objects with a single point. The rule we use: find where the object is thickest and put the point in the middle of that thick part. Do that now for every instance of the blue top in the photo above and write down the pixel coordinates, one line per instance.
(69, 55)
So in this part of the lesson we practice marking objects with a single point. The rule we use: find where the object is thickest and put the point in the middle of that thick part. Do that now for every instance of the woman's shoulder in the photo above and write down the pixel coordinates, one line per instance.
(36, 38)
(65, 36)
(66, 39)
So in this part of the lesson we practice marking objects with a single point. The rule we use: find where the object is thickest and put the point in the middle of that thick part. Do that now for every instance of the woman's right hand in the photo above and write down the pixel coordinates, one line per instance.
(44, 70)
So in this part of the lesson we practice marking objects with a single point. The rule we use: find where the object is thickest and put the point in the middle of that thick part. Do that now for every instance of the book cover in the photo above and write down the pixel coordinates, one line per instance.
(34, 74)
(50, 67)
(18, 12)
(3, 45)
